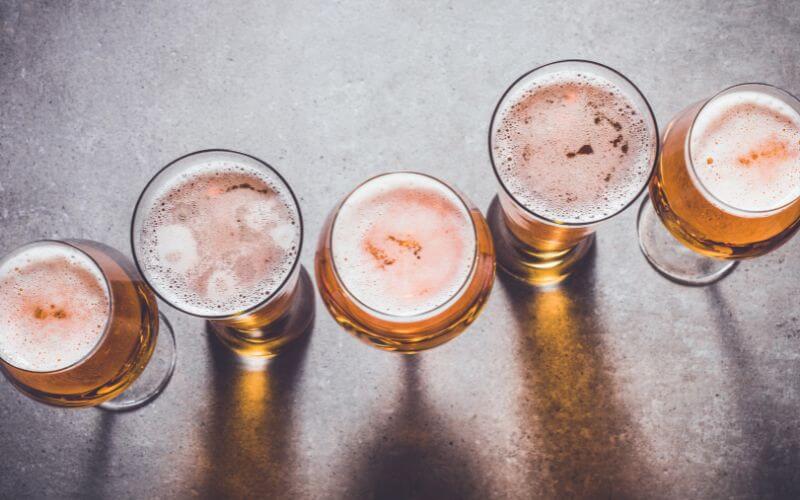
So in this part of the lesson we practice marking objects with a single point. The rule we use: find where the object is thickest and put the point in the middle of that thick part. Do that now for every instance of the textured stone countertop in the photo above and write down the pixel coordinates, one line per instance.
(619, 383)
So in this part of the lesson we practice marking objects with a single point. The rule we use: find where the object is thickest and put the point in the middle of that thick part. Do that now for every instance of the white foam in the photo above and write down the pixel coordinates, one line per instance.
(177, 246)
(226, 232)
(403, 244)
(54, 307)
(745, 148)
(261, 214)
(284, 235)
(572, 147)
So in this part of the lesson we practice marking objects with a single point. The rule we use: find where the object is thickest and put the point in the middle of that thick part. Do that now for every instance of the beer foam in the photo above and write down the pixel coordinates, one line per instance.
(403, 244)
(54, 307)
(219, 237)
(572, 147)
(745, 148)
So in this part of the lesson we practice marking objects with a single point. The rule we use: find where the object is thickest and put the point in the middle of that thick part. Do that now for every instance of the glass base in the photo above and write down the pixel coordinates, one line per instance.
(671, 258)
(156, 375)
(255, 347)
(526, 264)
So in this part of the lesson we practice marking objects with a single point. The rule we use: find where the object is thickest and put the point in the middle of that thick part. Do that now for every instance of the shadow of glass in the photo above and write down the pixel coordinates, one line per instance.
(250, 441)
(413, 453)
(576, 420)
(775, 472)
(97, 470)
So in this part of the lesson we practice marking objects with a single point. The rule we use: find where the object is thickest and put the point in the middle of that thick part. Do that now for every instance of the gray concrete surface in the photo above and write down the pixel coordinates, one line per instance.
(620, 384)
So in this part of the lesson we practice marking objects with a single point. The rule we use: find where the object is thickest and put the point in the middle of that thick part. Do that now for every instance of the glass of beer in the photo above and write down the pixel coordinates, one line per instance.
(572, 143)
(78, 327)
(727, 185)
(405, 262)
(217, 234)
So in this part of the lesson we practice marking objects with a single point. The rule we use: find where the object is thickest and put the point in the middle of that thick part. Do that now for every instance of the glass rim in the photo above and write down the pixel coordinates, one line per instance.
(269, 297)
(111, 302)
(648, 109)
(763, 87)
(430, 312)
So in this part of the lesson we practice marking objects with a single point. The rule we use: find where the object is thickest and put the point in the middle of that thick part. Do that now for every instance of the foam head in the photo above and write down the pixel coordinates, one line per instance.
(54, 306)
(573, 144)
(745, 148)
(217, 233)
(403, 244)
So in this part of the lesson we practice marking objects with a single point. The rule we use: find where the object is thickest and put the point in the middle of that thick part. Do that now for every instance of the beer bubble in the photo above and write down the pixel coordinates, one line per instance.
(553, 153)
(753, 139)
(54, 306)
(232, 250)
(403, 244)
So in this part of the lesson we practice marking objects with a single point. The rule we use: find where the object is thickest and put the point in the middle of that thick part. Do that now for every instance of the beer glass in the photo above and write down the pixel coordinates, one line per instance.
(80, 328)
(217, 234)
(572, 143)
(727, 185)
(405, 262)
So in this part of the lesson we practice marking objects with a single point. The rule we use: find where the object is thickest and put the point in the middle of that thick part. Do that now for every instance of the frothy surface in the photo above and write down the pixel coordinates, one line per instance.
(54, 307)
(219, 238)
(746, 150)
(572, 147)
(403, 244)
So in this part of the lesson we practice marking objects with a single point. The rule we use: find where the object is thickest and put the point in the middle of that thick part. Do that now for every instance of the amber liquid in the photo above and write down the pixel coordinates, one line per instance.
(535, 251)
(271, 328)
(121, 354)
(412, 335)
(700, 224)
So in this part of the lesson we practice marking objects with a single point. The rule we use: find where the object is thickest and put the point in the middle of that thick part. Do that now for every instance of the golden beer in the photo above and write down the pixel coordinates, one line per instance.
(404, 262)
(217, 234)
(572, 143)
(727, 185)
(77, 323)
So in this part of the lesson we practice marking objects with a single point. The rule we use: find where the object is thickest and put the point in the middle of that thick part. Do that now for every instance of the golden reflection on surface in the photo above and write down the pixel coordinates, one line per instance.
(253, 390)
(248, 440)
(579, 425)
(254, 396)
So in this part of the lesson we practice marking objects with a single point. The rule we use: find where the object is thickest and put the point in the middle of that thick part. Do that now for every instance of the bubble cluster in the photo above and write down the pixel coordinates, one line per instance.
(403, 244)
(572, 147)
(54, 307)
(745, 148)
(219, 237)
